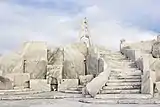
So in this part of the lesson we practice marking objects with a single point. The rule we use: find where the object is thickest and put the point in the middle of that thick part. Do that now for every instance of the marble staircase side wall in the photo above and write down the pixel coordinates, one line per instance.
(148, 76)
(143, 63)
(132, 54)
(147, 86)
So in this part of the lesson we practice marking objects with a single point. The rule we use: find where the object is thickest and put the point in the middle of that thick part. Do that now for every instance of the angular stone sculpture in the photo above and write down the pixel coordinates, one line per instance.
(5, 83)
(158, 87)
(156, 50)
(156, 68)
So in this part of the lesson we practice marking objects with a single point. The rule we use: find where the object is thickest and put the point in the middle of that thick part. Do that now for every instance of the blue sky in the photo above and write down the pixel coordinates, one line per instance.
(58, 21)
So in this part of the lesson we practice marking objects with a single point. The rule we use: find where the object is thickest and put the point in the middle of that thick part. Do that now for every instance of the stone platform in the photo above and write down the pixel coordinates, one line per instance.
(120, 101)
(34, 95)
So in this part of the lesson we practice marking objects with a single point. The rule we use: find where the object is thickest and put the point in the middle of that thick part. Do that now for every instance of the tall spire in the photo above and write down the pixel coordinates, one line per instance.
(84, 33)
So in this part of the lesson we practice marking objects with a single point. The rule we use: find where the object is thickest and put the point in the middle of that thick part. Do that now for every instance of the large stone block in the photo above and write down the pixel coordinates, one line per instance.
(85, 79)
(147, 82)
(100, 65)
(146, 62)
(92, 64)
(35, 55)
(156, 68)
(72, 58)
(36, 69)
(5, 83)
(19, 79)
(73, 63)
(156, 49)
(130, 53)
(8, 62)
(158, 86)
(139, 63)
(157, 73)
(133, 54)
(35, 50)
(143, 63)
(137, 54)
(67, 83)
(39, 85)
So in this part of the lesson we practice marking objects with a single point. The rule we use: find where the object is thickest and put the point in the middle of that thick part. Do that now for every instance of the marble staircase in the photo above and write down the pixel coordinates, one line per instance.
(124, 80)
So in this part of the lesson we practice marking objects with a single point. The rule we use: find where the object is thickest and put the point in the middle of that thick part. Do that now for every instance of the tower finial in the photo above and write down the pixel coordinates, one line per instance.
(84, 33)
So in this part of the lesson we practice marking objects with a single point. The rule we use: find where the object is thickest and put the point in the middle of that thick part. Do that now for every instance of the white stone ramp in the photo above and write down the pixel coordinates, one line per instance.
(97, 83)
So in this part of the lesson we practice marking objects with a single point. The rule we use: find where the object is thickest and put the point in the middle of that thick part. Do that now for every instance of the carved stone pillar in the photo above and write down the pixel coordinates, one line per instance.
(122, 41)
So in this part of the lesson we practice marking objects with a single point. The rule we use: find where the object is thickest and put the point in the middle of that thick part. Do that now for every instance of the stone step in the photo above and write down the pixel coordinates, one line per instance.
(124, 84)
(115, 58)
(120, 62)
(121, 68)
(123, 80)
(126, 77)
(127, 96)
(122, 57)
(71, 92)
(125, 70)
(120, 87)
(133, 91)
(125, 74)
(118, 55)
(76, 89)
(122, 101)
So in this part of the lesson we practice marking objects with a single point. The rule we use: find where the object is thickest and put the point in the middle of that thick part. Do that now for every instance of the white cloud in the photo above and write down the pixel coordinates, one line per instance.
(19, 24)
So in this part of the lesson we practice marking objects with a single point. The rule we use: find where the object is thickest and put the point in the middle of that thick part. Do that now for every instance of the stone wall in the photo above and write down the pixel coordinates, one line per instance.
(36, 69)
(144, 46)
(5, 83)
(35, 55)
(92, 64)
(73, 62)
(8, 62)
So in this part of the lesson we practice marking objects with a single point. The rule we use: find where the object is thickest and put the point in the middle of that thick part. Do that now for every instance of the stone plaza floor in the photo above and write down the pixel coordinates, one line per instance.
(64, 103)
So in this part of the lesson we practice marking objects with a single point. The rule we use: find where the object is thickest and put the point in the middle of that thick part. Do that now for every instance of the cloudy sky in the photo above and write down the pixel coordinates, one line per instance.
(58, 21)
